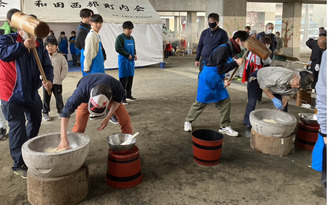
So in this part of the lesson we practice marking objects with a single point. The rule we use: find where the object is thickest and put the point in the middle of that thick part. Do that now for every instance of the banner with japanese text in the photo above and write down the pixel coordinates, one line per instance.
(6, 5)
(112, 11)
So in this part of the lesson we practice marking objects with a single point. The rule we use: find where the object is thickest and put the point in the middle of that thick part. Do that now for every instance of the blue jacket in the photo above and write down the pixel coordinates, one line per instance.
(19, 72)
(209, 41)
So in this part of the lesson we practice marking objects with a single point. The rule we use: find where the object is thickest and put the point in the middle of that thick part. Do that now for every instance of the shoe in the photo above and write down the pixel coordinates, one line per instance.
(93, 117)
(248, 131)
(114, 120)
(229, 131)
(46, 117)
(187, 127)
(131, 98)
(3, 135)
(124, 102)
(21, 171)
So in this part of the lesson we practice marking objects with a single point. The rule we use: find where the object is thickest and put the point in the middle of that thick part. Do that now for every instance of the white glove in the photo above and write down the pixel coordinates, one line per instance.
(86, 70)
(317, 67)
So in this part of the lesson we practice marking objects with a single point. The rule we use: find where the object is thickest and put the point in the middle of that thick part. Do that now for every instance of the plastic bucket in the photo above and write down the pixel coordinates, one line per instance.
(162, 65)
(307, 135)
(207, 146)
(124, 170)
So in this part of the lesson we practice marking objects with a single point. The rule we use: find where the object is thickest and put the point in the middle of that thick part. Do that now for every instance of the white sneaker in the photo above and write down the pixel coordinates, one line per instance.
(229, 131)
(46, 117)
(187, 127)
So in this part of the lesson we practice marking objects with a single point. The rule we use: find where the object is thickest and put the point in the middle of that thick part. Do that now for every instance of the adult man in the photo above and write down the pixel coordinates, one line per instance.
(212, 80)
(279, 41)
(268, 32)
(19, 84)
(247, 29)
(279, 84)
(210, 39)
(316, 55)
(319, 155)
(94, 94)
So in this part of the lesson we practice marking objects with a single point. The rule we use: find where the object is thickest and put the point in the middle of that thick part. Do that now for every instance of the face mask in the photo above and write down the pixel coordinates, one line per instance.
(269, 31)
(212, 25)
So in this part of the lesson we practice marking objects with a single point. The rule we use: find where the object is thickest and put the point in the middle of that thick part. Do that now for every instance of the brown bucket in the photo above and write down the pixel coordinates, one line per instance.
(124, 170)
(307, 135)
(207, 146)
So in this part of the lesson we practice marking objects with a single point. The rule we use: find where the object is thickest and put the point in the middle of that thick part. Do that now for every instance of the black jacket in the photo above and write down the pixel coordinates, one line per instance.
(316, 52)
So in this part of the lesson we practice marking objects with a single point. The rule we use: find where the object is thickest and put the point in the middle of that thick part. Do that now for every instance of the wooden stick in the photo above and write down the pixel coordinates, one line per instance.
(236, 69)
(37, 59)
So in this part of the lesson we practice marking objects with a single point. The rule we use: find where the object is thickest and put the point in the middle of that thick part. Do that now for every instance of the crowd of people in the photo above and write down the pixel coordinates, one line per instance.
(100, 96)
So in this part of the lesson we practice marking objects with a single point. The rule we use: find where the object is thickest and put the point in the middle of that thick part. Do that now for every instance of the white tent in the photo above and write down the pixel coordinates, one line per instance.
(64, 16)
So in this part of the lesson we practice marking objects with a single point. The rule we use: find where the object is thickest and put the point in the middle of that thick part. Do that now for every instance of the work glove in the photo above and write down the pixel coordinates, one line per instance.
(317, 67)
(86, 70)
(277, 103)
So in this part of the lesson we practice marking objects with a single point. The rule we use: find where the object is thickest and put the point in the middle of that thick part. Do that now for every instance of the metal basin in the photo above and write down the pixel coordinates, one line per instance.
(284, 125)
(58, 164)
(116, 140)
(308, 118)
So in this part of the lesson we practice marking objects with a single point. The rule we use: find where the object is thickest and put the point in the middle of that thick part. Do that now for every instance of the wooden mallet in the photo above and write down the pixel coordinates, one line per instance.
(33, 27)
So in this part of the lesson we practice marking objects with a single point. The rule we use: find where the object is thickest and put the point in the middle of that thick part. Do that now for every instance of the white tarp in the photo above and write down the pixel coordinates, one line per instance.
(6, 5)
(147, 30)
(148, 39)
(114, 11)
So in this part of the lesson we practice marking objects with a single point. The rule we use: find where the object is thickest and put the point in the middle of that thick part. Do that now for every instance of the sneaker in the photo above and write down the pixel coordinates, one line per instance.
(187, 127)
(3, 135)
(46, 117)
(21, 171)
(248, 131)
(124, 102)
(131, 98)
(93, 117)
(114, 120)
(229, 131)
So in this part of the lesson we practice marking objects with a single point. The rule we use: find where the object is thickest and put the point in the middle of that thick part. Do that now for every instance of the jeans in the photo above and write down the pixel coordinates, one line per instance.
(19, 133)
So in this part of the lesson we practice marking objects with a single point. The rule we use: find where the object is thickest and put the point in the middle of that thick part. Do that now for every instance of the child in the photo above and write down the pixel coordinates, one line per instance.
(93, 55)
(125, 46)
(73, 50)
(63, 44)
(60, 71)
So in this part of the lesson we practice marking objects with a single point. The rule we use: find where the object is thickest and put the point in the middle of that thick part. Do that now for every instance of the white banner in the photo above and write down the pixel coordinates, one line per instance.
(112, 11)
(6, 5)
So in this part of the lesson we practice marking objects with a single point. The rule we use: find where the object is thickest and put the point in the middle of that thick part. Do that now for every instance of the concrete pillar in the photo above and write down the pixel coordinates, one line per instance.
(232, 13)
(201, 24)
(192, 29)
(291, 25)
(177, 26)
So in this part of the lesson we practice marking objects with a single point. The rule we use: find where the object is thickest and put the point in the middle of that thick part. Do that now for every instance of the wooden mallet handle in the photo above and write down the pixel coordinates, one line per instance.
(243, 57)
(42, 72)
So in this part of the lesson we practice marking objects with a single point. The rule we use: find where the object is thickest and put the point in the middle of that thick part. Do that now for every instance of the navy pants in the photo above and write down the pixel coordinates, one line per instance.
(19, 132)
(254, 93)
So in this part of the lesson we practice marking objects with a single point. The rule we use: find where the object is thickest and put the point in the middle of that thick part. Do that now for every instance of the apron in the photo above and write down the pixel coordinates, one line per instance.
(82, 55)
(97, 65)
(72, 46)
(253, 67)
(63, 46)
(211, 87)
(126, 66)
(317, 154)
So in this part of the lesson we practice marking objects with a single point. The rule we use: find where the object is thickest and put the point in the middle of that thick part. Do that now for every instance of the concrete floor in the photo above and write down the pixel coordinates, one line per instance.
(244, 176)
